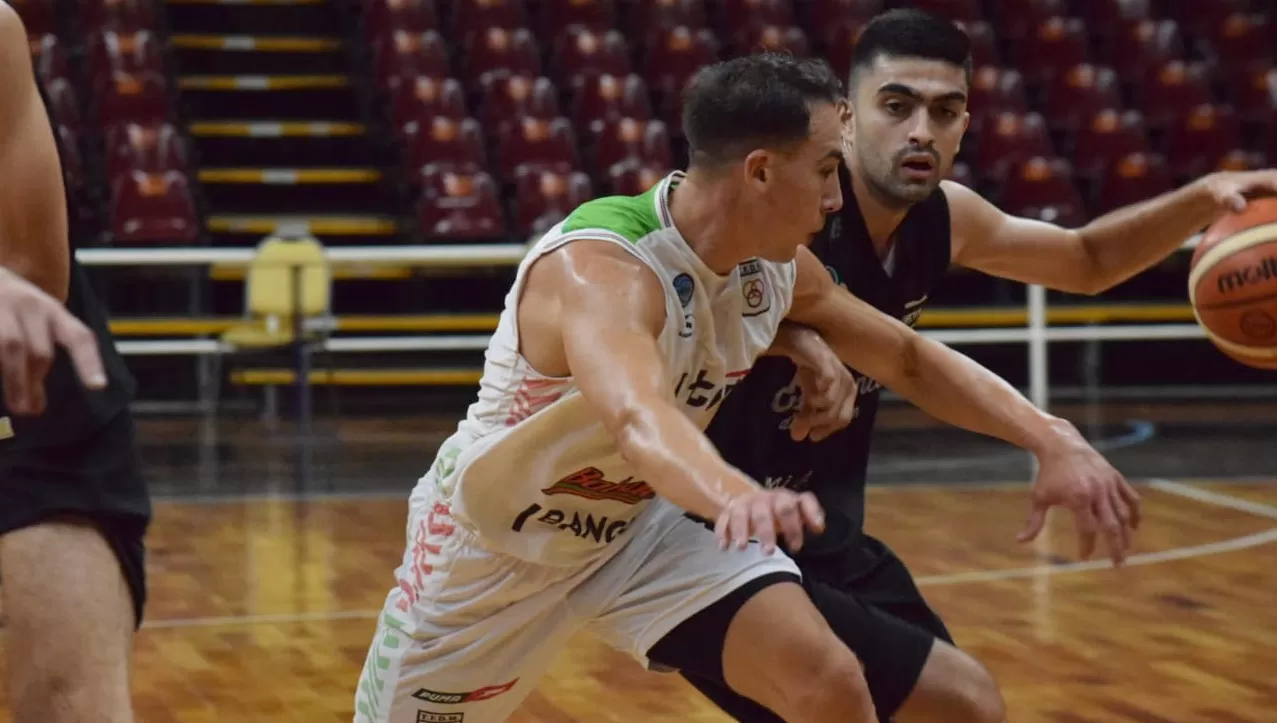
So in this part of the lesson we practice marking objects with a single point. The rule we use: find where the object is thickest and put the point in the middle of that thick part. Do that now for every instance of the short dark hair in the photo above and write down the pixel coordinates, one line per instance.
(762, 100)
(910, 33)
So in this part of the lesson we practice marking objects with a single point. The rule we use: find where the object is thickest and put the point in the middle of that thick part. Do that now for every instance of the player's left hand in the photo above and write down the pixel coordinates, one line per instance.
(1075, 476)
(1230, 189)
(828, 392)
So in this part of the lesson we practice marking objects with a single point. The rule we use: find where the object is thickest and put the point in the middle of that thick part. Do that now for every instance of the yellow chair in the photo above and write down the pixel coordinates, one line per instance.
(273, 303)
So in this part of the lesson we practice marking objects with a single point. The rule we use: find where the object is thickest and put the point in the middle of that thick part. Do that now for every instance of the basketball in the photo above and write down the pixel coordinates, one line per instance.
(1232, 284)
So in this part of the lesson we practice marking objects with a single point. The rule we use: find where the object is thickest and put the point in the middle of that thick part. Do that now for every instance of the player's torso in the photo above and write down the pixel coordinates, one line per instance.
(753, 430)
(532, 470)
(71, 411)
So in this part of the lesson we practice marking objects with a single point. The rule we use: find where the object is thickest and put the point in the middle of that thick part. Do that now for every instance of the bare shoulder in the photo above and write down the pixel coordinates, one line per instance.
(13, 35)
(16, 75)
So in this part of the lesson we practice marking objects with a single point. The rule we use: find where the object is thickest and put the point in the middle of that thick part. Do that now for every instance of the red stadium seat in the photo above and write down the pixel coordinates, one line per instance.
(509, 98)
(632, 179)
(1243, 41)
(112, 52)
(558, 16)
(586, 52)
(984, 42)
(1173, 91)
(1109, 16)
(968, 10)
(1137, 177)
(995, 91)
(773, 38)
(1109, 136)
(497, 51)
(133, 98)
(1009, 138)
(382, 18)
(445, 144)
(1242, 160)
(1073, 97)
(840, 43)
(1055, 45)
(406, 55)
(456, 206)
(423, 98)
(474, 17)
(738, 15)
(1256, 94)
(631, 139)
(152, 208)
(1138, 48)
(542, 198)
(1200, 17)
(150, 148)
(118, 15)
(539, 144)
(648, 17)
(599, 98)
(1043, 188)
(1016, 20)
(961, 173)
(676, 55)
(831, 13)
(1196, 143)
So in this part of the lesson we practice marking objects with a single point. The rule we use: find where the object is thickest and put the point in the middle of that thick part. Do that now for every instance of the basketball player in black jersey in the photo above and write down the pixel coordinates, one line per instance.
(900, 229)
(73, 505)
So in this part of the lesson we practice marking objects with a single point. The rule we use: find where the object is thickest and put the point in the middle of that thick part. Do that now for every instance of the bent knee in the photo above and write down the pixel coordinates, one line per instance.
(954, 687)
(829, 686)
(980, 697)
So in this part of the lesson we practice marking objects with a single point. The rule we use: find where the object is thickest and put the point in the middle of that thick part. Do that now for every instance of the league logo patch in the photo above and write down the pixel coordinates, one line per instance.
(684, 286)
(753, 289)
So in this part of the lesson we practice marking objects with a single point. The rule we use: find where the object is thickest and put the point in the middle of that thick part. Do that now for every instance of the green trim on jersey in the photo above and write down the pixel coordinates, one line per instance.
(631, 217)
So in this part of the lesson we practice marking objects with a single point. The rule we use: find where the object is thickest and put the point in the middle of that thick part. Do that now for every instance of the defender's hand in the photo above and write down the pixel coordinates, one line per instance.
(763, 513)
(1075, 476)
(31, 324)
(828, 388)
(1230, 189)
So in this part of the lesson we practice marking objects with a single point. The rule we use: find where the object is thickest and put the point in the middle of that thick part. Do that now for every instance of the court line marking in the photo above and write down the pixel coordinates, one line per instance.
(1178, 553)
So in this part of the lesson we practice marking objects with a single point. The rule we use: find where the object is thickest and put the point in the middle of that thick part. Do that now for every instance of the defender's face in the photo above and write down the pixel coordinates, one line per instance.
(909, 116)
(800, 188)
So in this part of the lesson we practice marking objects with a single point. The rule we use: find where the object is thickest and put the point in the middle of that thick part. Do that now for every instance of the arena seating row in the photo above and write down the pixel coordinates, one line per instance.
(113, 97)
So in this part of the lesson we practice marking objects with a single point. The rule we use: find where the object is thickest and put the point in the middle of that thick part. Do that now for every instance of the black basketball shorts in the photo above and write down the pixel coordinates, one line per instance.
(98, 478)
(879, 614)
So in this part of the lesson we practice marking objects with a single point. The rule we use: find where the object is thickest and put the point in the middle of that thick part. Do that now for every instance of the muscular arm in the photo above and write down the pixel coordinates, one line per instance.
(1088, 260)
(33, 216)
(940, 381)
(611, 310)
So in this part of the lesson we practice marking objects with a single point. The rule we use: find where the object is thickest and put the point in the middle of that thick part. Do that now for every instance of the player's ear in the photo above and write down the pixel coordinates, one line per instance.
(758, 169)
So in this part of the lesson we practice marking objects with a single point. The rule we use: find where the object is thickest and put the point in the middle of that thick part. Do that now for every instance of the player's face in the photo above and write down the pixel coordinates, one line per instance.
(907, 123)
(797, 189)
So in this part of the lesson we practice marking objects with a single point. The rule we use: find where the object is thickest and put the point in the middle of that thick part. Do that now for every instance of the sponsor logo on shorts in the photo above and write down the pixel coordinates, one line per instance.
(753, 289)
(491, 691)
(590, 484)
(425, 716)
(600, 529)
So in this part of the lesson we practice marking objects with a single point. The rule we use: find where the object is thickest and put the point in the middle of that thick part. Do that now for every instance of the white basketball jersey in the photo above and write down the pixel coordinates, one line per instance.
(531, 470)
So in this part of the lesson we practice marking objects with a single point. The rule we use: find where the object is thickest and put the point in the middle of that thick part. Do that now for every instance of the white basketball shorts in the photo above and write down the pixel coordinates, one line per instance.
(467, 633)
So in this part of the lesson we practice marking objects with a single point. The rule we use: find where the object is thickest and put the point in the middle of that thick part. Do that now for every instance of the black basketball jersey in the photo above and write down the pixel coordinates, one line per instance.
(752, 428)
(72, 411)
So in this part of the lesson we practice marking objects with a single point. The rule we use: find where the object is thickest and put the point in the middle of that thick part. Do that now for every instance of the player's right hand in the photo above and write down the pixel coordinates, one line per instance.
(31, 324)
(765, 513)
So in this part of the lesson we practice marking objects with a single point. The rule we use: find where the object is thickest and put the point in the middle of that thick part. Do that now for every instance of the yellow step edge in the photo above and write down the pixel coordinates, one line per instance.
(431, 323)
(273, 129)
(362, 377)
(316, 225)
(262, 82)
(256, 43)
(339, 272)
(289, 176)
(360, 323)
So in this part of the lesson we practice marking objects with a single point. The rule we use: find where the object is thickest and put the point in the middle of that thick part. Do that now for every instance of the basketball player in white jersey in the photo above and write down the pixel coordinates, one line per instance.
(560, 504)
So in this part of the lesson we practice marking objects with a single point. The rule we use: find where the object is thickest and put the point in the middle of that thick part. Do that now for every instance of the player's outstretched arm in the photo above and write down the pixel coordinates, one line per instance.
(34, 253)
(1106, 251)
(610, 310)
(33, 215)
(956, 390)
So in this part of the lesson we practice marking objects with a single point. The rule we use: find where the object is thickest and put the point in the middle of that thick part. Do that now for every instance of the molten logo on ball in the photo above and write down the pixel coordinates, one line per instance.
(1265, 270)
(1259, 325)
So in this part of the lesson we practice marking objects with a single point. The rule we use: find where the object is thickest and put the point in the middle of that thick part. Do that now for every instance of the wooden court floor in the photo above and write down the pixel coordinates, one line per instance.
(262, 611)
